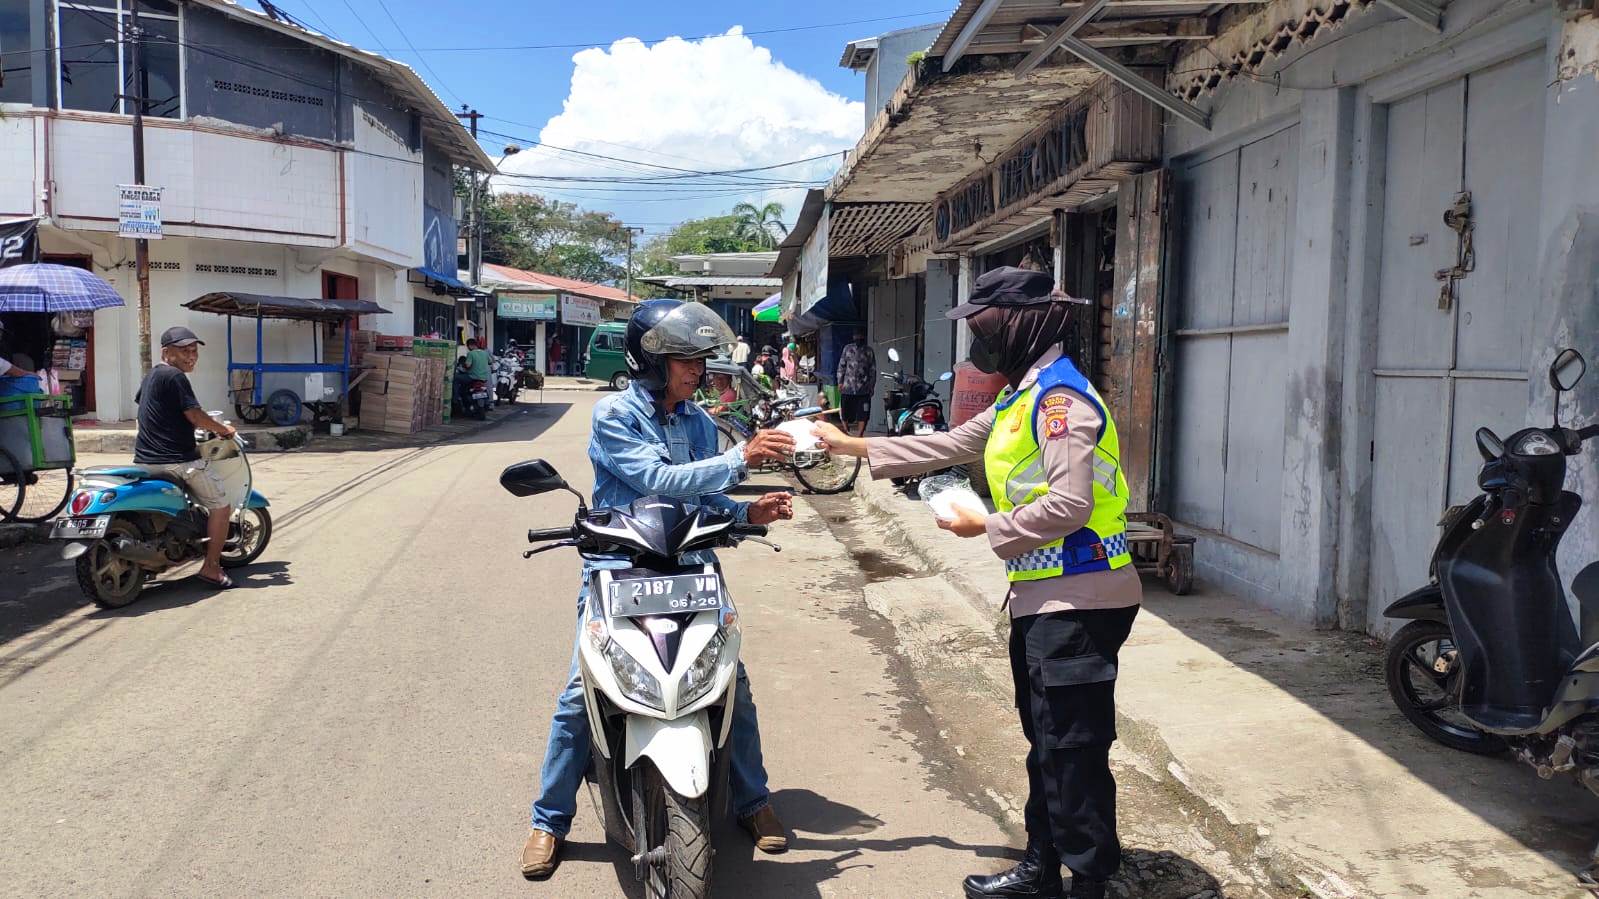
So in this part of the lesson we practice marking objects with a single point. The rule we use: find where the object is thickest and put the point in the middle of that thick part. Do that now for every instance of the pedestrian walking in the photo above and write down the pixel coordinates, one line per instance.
(1053, 461)
(741, 352)
(856, 378)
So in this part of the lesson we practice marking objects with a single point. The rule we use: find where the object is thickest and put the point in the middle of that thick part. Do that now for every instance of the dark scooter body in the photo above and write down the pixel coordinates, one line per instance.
(1492, 659)
(912, 408)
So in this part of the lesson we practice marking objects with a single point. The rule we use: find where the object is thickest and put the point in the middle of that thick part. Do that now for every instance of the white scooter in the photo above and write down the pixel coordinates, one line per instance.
(507, 370)
(658, 654)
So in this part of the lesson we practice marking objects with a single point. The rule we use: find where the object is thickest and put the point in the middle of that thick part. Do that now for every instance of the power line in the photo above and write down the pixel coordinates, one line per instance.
(364, 25)
(419, 57)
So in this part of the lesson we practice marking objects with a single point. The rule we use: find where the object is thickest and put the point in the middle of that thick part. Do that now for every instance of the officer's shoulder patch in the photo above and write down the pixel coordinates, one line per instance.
(1055, 409)
(1056, 401)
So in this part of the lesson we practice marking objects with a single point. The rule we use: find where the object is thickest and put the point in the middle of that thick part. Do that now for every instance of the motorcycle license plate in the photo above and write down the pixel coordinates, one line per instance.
(88, 528)
(673, 595)
(922, 428)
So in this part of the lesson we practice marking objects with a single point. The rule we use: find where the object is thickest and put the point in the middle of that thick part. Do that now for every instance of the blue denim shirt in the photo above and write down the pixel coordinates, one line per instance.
(635, 454)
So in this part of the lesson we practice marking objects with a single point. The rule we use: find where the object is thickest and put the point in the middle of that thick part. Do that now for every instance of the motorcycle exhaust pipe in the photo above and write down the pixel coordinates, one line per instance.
(140, 553)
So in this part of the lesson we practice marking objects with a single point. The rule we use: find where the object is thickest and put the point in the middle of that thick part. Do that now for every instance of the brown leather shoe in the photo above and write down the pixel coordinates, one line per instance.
(540, 854)
(767, 831)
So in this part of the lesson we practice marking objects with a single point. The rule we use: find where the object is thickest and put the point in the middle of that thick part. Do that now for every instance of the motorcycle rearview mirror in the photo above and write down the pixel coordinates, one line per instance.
(534, 477)
(1567, 369)
(893, 354)
(1489, 444)
(946, 376)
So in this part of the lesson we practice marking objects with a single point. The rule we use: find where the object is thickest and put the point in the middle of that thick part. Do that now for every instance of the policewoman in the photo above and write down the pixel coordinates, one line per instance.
(1053, 466)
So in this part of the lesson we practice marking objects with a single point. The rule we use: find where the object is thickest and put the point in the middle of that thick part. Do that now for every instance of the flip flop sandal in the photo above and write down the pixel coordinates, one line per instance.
(224, 584)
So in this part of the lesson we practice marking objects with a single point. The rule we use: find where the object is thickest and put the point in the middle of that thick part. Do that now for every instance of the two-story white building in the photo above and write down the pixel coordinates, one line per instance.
(291, 165)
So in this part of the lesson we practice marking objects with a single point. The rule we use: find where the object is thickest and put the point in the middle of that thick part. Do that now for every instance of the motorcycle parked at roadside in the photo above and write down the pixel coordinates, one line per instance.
(1491, 659)
(130, 525)
(816, 469)
(507, 369)
(912, 408)
(658, 652)
(472, 397)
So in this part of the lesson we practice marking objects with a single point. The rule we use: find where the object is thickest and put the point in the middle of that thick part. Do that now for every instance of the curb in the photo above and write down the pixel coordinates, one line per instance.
(14, 535)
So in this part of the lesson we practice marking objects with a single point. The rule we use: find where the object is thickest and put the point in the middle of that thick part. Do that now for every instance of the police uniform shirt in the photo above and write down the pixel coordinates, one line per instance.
(1068, 457)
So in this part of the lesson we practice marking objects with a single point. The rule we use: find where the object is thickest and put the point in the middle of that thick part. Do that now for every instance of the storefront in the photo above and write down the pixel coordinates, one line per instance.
(526, 320)
(579, 317)
(60, 346)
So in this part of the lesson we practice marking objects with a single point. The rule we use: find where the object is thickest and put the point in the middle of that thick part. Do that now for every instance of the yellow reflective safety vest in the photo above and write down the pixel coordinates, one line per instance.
(1014, 459)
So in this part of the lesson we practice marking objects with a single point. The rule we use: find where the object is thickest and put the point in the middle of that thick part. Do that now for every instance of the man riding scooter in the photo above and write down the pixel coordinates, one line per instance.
(169, 413)
(652, 440)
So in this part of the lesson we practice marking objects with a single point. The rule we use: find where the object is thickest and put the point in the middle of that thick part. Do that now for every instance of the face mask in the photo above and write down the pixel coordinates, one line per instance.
(985, 361)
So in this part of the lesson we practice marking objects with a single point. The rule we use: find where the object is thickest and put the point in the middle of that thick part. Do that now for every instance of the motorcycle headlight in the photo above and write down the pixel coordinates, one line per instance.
(699, 677)
(1537, 444)
(637, 684)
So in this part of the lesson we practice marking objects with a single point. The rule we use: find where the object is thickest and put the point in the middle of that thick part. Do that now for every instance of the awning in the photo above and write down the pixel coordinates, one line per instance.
(451, 284)
(835, 307)
(251, 305)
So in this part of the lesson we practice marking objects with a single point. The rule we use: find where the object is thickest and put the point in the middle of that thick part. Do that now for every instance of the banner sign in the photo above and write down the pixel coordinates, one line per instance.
(580, 310)
(139, 214)
(525, 307)
(813, 263)
(19, 242)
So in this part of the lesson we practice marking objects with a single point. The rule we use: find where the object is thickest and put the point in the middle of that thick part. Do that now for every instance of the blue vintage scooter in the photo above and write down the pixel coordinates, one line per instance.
(130, 525)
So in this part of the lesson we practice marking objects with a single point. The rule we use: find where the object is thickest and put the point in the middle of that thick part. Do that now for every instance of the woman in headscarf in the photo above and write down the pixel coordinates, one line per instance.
(1052, 459)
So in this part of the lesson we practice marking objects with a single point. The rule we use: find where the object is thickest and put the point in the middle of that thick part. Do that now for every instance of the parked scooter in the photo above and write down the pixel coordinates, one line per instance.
(659, 651)
(1491, 659)
(507, 376)
(130, 525)
(912, 408)
(472, 397)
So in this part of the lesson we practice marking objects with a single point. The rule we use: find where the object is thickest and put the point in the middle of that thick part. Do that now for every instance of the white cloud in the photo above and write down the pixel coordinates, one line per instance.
(712, 104)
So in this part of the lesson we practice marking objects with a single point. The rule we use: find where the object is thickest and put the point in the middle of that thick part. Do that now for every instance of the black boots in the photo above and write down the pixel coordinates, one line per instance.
(1036, 877)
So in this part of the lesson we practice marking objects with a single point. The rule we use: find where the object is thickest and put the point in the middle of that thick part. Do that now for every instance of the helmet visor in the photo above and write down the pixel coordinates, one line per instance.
(691, 331)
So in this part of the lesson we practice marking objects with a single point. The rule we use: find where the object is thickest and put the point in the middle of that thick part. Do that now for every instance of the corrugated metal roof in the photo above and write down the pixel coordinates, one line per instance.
(715, 281)
(516, 278)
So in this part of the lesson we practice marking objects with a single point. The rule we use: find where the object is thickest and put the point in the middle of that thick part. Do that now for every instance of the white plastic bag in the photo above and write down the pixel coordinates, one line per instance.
(804, 433)
(944, 493)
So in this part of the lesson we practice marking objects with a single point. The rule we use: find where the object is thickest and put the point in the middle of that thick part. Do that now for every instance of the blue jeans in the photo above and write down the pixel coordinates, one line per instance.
(566, 755)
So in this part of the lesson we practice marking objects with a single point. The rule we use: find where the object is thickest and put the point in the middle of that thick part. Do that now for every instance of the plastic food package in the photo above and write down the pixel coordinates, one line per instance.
(804, 433)
(944, 493)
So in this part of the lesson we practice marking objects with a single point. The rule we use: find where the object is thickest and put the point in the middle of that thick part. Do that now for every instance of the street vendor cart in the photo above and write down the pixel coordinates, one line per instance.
(323, 385)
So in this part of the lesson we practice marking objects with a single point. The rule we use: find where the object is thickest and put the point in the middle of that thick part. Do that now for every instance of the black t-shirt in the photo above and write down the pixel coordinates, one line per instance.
(165, 435)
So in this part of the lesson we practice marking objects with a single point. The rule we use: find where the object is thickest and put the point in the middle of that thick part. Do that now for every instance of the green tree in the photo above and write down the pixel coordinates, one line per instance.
(539, 234)
(761, 225)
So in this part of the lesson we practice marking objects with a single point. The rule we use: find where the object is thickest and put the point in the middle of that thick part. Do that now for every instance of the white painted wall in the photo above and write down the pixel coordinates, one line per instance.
(384, 184)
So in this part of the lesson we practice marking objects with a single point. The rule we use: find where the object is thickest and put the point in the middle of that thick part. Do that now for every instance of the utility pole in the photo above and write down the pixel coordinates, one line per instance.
(474, 246)
(630, 232)
(141, 246)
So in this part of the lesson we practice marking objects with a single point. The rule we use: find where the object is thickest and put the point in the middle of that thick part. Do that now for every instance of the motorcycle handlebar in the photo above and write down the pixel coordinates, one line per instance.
(541, 535)
(749, 530)
(1589, 432)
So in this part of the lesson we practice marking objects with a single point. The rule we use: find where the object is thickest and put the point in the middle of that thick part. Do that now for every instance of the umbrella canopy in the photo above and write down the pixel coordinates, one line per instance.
(769, 309)
(43, 287)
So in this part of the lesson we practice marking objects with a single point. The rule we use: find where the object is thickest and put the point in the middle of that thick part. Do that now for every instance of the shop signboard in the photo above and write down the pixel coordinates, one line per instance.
(526, 307)
(19, 242)
(139, 213)
(580, 311)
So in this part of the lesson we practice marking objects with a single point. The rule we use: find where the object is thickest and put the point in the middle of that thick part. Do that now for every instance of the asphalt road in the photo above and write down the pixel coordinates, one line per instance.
(365, 714)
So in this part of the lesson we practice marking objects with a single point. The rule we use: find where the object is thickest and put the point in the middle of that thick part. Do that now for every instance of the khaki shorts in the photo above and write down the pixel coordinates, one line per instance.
(203, 485)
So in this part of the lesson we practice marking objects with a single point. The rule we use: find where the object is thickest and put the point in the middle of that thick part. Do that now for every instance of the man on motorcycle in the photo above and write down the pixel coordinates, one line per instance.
(168, 417)
(651, 439)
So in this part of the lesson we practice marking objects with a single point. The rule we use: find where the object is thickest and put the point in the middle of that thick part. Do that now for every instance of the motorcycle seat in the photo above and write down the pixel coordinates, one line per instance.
(135, 472)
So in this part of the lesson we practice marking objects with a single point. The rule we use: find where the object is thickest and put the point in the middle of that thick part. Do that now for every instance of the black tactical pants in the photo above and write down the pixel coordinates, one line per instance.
(1064, 668)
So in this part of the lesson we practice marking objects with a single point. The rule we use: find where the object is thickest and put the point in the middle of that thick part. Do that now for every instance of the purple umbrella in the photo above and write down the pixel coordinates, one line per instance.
(43, 287)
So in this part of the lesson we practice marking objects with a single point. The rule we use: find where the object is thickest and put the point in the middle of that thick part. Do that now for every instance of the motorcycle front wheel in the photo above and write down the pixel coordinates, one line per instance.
(1423, 673)
(254, 533)
(681, 827)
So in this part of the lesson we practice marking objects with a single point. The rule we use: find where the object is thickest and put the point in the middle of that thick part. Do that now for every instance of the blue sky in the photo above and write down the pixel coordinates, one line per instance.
(731, 102)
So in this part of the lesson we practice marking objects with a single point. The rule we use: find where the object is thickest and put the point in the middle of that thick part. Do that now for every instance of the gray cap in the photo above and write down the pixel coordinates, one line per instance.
(179, 336)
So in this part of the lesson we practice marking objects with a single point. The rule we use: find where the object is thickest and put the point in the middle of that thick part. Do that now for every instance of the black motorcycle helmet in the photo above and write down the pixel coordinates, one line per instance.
(672, 328)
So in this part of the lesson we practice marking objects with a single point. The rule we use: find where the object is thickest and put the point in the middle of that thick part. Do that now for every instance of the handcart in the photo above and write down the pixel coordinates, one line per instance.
(321, 393)
(36, 456)
(1158, 549)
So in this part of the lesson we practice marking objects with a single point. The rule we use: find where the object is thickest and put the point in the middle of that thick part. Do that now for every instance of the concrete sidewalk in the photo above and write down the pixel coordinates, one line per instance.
(1289, 732)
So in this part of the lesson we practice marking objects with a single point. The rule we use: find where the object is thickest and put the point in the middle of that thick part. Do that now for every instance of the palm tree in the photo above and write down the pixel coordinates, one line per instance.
(761, 226)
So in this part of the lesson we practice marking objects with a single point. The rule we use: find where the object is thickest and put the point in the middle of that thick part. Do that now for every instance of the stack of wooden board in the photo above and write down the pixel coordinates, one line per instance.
(401, 395)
